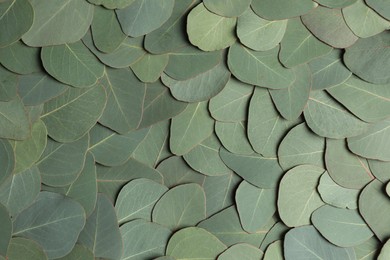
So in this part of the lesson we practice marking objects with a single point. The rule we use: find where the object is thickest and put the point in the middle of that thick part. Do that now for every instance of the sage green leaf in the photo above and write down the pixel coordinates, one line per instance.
(79, 252)
(275, 233)
(22, 248)
(144, 16)
(385, 251)
(259, 34)
(61, 219)
(228, 8)
(342, 227)
(14, 121)
(241, 251)
(38, 88)
(205, 159)
(299, 46)
(321, 19)
(301, 146)
(291, 101)
(20, 190)
(111, 179)
(16, 18)
(335, 3)
(255, 206)
(125, 100)
(194, 243)
(112, 149)
(380, 170)
(106, 30)
(149, 67)
(8, 84)
(372, 23)
(326, 117)
(346, 168)
(201, 87)
(298, 197)
(371, 102)
(101, 233)
(6, 229)
(380, 6)
(328, 70)
(209, 31)
(374, 207)
(226, 226)
(259, 68)
(231, 104)
(374, 143)
(233, 137)
(34, 112)
(368, 250)
(336, 195)
(190, 128)
(72, 64)
(112, 4)
(52, 22)
(129, 51)
(175, 171)
(220, 192)
(258, 170)
(281, 9)
(71, 115)
(265, 129)
(171, 36)
(274, 251)
(137, 199)
(61, 163)
(7, 160)
(367, 58)
(21, 58)
(143, 240)
(158, 105)
(28, 151)
(306, 243)
(181, 206)
(188, 62)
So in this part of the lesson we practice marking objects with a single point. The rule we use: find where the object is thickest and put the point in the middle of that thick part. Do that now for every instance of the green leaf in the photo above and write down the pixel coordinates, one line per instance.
(190, 128)
(181, 206)
(53, 20)
(275, 233)
(6, 229)
(149, 67)
(274, 251)
(258, 170)
(368, 250)
(326, 117)
(144, 240)
(321, 19)
(380, 170)
(374, 207)
(137, 199)
(259, 68)
(228, 8)
(241, 251)
(71, 115)
(233, 137)
(385, 251)
(143, 16)
(194, 243)
(342, 227)
(61, 163)
(79, 252)
(16, 18)
(101, 232)
(298, 196)
(255, 206)
(301, 146)
(380, 6)
(299, 46)
(14, 121)
(22, 248)
(335, 3)
(201, 87)
(374, 143)
(306, 243)
(209, 31)
(8, 83)
(281, 9)
(230, 105)
(21, 58)
(58, 217)
(7, 160)
(72, 64)
(112, 4)
(346, 168)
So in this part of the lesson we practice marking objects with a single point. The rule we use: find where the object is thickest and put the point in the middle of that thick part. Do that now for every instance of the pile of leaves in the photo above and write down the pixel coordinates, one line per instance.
(188, 129)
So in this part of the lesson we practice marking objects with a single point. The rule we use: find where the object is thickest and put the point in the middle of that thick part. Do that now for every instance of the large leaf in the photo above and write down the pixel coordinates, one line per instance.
(380, 6)
(14, 122)
(281, 9)
(20, 58)
(22, 248)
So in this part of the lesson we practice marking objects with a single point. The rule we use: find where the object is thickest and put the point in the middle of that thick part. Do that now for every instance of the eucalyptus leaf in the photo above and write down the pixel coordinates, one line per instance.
(281, 9)
(150, 66)
(14, 121)
(21, 58)
(7, 160)
(8, 84)
(241, 251)
(22, 248)
(233, 137)
(6, 229)
(274, 251)
(380, 7)
(228, 8)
